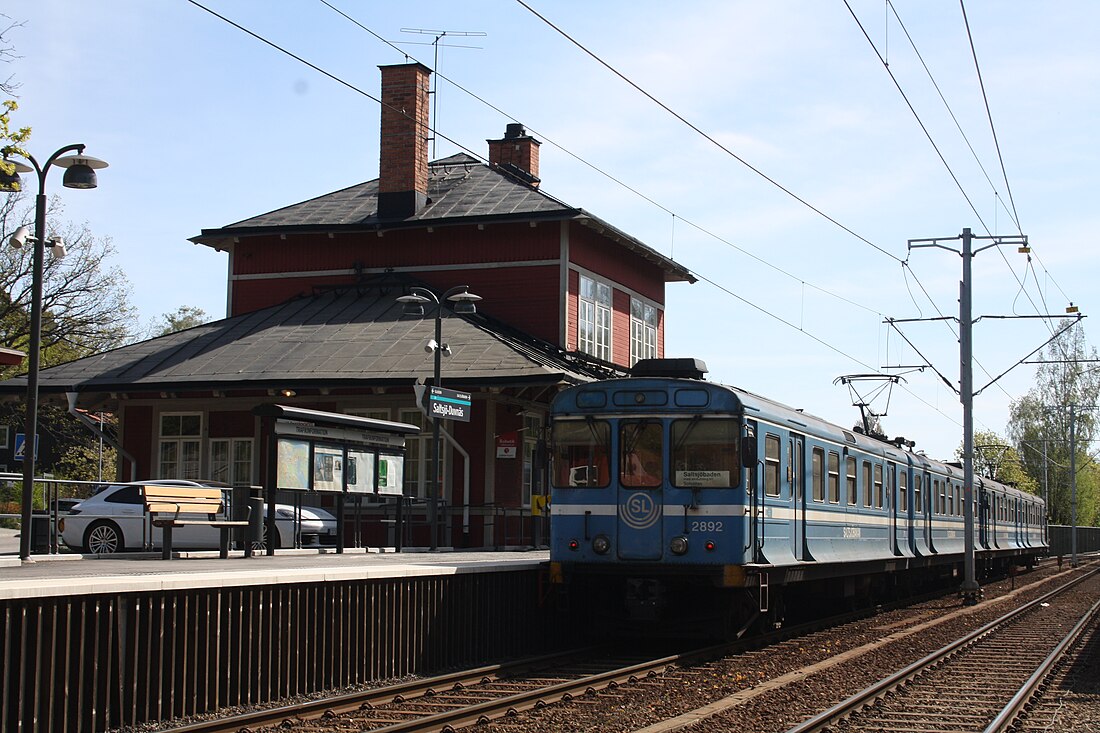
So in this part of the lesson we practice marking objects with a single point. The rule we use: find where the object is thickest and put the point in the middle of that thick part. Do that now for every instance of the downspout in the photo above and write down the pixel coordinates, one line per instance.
(91, 425)
(465, 481)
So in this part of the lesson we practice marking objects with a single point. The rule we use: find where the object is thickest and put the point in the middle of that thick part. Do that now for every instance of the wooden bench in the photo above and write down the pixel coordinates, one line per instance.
(182, 506)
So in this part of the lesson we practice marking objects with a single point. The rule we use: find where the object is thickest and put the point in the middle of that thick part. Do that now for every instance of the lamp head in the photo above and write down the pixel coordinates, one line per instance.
(412, 305)
(81, 170)
(22, 234)
(465, 302)
(57, 247)
(10, 181)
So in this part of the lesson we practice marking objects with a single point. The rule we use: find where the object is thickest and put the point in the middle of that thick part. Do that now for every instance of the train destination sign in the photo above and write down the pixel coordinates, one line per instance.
(448, 404)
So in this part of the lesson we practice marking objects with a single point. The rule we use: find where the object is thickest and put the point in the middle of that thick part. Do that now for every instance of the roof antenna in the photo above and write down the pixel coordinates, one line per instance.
(872, 425)
(435, 63)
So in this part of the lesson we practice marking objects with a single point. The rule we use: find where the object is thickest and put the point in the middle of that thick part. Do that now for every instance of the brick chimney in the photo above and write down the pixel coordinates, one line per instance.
(516, 153)
(403, 164)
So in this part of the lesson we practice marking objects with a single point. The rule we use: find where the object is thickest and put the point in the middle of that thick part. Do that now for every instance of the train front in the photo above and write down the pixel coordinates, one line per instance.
(648, 498)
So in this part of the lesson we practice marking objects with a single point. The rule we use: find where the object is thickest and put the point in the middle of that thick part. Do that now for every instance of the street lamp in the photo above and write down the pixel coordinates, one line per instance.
(465, 303)
(80, 173)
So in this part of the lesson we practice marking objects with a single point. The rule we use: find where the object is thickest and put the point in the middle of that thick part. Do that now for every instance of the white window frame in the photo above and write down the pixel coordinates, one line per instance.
(236, 471)
(532, 425)
(185, 466)
(594, 313)
(644, 317)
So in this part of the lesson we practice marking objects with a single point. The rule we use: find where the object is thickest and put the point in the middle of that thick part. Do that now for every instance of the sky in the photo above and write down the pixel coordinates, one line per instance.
(785, 152)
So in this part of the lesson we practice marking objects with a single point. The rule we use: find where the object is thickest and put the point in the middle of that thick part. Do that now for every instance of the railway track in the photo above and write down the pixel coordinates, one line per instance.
(980, 682)
(453, 701)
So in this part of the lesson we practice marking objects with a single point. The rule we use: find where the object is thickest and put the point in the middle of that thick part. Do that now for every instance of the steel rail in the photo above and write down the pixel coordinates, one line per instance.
(1015, 706)
(879, 689)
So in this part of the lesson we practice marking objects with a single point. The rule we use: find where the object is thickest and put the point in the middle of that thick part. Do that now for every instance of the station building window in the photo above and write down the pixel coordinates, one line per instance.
(180, 445)
(418, 454)
(643, 331)
(594, 318)
(532, 428)
(231, 460)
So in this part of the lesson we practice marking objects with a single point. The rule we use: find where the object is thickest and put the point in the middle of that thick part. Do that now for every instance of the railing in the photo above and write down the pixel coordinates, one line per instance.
(47, 505)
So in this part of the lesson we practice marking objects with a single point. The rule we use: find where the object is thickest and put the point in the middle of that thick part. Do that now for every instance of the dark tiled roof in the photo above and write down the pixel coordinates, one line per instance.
(460, 189)
(345, 338)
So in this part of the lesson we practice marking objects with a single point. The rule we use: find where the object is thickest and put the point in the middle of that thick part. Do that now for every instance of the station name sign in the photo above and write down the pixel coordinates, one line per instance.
(447, 404)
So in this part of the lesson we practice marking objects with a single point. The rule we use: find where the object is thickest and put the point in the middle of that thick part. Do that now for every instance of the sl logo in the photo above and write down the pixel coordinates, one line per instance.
(639, 511)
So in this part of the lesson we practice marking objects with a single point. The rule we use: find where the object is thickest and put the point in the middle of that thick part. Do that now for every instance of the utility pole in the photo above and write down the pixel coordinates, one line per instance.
(970, 589)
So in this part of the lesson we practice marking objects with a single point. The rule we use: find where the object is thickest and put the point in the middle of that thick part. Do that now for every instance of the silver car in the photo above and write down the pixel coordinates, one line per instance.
(113, 519)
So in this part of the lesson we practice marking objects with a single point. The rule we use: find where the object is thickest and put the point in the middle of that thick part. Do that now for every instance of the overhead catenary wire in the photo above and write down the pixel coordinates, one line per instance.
(710, 281)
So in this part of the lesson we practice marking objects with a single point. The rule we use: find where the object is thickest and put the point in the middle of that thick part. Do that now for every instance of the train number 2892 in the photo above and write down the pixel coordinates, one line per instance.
(703, 526)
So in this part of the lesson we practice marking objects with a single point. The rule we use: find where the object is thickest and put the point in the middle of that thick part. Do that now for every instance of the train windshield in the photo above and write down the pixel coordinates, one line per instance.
(705, 453)
(641, 458)
(581, 449)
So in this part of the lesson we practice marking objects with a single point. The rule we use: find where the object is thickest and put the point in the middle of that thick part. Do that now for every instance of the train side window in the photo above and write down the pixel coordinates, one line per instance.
(817, 468)
(641, 453)
(771, 465)
(903, 490)
(580, 453)
(878, 486)
(918, 507)
(705, 453)
(943, 497)
(853, 495)
(834, 477)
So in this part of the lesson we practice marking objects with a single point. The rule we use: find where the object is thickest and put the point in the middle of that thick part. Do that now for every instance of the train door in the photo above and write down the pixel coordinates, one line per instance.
(928, 502)
(897, 538)
(797, 472)
(982, 512)
(641, 462)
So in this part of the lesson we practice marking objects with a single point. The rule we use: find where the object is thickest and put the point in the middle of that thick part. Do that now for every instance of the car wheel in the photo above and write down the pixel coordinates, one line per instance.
(103, 538)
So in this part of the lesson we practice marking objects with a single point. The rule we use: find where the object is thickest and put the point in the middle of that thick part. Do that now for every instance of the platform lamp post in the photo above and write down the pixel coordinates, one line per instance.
(465, 303)
(80, 173)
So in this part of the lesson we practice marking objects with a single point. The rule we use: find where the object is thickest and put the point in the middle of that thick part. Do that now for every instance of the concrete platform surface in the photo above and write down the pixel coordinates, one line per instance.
(65, 574)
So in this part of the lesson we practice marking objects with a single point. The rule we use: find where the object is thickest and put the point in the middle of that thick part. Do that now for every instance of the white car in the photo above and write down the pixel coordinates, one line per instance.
(113, 519)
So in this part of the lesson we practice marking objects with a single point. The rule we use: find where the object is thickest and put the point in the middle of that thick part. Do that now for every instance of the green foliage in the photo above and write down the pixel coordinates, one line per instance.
(12, 140)
(82, 462)
(1066, 393)
(182, 318)
(994, 458)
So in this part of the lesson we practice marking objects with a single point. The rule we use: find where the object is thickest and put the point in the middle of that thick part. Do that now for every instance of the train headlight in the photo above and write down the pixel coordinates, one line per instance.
(574, 545)
(709, 545)
(679, 545)
(601, 544)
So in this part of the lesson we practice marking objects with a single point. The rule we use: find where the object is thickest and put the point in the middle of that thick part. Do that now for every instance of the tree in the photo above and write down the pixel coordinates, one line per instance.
(995, 459)
(182, 318)
(85, 299)
(11, 141)
(1067, 385)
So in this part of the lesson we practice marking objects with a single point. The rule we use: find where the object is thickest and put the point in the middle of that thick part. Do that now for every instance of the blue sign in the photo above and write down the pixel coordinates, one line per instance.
(21, 446)
(449, 404)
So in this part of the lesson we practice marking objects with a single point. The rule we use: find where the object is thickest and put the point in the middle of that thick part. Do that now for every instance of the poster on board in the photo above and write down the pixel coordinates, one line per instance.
(391, 475)
(293, 464)
(360, 471)
(328, 468)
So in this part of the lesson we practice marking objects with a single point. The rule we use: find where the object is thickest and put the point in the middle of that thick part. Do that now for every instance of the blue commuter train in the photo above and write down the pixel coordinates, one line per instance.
(677, 499)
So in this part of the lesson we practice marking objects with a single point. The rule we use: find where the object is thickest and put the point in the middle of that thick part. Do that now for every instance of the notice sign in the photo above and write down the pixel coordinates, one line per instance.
(507, 445)
(447, 404)
(693, 479)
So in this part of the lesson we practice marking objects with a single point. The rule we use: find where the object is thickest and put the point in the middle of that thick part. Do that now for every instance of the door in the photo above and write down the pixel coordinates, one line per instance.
(797, 472)
(641, 481)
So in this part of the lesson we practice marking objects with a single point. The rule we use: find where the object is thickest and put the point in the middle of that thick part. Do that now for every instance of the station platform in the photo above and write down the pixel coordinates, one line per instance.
(70, 574)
